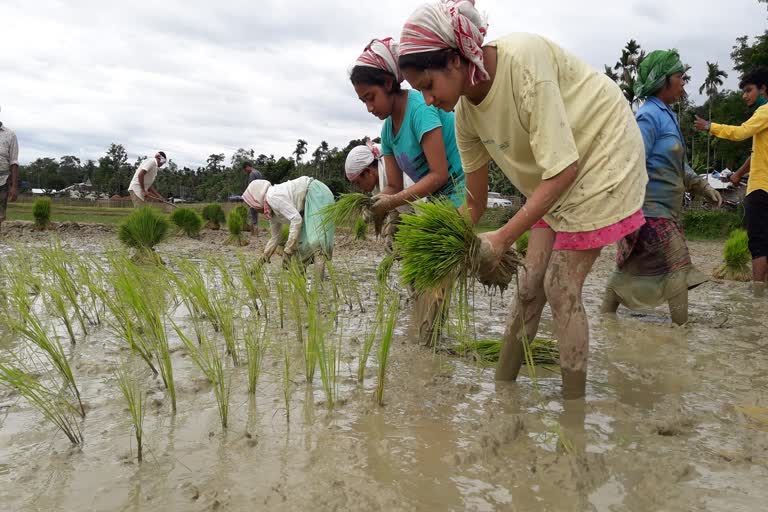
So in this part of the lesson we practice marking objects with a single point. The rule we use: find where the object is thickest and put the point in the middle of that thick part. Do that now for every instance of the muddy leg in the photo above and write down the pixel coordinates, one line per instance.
(430, 315)
(611, 302)
(759, 275)
(563, 285)
(526, 311)
(678, 308)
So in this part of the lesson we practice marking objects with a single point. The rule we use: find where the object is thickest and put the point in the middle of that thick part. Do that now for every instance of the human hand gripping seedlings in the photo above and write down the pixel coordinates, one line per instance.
(383, 203)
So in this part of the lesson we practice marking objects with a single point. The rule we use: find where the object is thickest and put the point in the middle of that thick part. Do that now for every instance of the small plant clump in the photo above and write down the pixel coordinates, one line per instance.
(41, 211)
(737, 257)
(438, 245)
(213, 214)
(142, 231)
(360, 230)
(188, 221)
(237, 223)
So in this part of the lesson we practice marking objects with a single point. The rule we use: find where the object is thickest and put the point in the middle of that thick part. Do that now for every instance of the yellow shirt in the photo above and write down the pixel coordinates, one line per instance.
(546, 110)
(757, 128)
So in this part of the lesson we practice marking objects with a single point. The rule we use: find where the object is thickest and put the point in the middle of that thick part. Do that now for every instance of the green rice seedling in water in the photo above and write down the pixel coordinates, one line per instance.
(54, 407)
(214, 217)
(256, 344)
(287, 383)
(360, 230)
(136, 398)
(37, 335)
(737, 257)
(207, 357)
(237, 221)
(254, 282)
(22, 285)
(41, 212)
(57, 308)
(382, 296)
(385, 268)
(346, 209)
(90, 276)
(438, 245)
(142, 231)
(521, 244)
(195, 293)
(188, 221)
(392, 309)
(320, 349)
(226, 303)
(55, 263)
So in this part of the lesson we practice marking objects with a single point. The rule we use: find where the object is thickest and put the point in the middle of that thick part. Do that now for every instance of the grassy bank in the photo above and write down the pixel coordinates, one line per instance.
(711, 224)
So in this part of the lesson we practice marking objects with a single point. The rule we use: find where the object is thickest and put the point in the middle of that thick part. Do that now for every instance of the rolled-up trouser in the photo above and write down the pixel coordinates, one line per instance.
(254, 216)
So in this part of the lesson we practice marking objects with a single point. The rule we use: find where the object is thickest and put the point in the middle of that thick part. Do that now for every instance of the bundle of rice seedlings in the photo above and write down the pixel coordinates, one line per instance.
(346, 210)
(50, 402)
(237, 222)
(737, 258)
(360, 230)
(543, 351)
(130, 385)
(41, 212)
(392, 309)
(521, 244)
(438, 245)
(142, 231)
(214, 217)
(187, 220)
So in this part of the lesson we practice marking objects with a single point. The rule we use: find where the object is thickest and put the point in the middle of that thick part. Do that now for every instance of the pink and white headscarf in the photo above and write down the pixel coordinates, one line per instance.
(448, 24)
(381, 54)
(360, 158)
(255, 196)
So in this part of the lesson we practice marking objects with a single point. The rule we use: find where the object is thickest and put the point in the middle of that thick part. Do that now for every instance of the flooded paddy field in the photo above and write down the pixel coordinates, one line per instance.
(674, 418)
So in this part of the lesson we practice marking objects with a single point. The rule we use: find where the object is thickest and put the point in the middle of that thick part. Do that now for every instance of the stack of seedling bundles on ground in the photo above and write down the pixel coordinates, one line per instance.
(213, 215)
(188, 221)
(41, 212)
(237, 223)
(142, 231)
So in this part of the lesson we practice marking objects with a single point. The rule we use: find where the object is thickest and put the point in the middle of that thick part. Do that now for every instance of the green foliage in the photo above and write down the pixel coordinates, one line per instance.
(737, 257)
(143, 229)
(136, 399)
(746, 56)
(521, 244)
(360, 230)
(543, 351)
(41, 211)
(388, 328)
(710, 224)
(187, 220)
(237, 221)
(213, 214)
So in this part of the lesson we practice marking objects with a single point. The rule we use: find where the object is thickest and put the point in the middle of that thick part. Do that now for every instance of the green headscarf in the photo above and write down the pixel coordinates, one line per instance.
(654, 70)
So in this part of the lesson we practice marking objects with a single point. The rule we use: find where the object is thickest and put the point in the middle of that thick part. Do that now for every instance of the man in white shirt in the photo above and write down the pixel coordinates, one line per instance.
(142, 188)
(9, 168)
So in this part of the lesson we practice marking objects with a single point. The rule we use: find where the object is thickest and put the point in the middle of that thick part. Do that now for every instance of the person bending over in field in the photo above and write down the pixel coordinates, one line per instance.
(142, 188)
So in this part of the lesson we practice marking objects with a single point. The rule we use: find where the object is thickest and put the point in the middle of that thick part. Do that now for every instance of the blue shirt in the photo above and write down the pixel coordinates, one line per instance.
(406, 147)
(664, 160)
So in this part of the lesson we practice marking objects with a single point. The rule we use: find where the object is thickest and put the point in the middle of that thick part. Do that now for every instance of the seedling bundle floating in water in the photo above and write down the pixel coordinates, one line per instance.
(438, 245)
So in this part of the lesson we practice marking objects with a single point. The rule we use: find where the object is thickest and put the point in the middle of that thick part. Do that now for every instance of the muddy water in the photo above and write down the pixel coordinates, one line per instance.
(659, 430)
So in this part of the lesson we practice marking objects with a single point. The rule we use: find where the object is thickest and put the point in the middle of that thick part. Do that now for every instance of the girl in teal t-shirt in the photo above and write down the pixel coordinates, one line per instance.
(416, 139)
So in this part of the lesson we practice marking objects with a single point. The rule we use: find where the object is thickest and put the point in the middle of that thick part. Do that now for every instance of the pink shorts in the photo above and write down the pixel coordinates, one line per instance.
(585, 240)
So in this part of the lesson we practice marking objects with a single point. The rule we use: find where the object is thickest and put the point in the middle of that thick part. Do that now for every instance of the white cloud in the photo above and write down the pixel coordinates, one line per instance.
(215, 76)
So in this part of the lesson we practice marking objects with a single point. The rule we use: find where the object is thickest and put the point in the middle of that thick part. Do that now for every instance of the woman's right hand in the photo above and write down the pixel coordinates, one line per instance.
(492, 248)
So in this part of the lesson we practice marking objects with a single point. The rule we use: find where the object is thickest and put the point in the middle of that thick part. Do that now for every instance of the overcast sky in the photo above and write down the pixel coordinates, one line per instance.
(195, 78)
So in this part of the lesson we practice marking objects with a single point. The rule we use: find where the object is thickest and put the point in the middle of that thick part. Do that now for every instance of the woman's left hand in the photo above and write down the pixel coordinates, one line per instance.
(492, 248)
(701, 124)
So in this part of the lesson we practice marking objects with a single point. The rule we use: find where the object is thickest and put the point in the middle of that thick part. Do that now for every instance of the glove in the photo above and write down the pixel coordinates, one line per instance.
(382, 203)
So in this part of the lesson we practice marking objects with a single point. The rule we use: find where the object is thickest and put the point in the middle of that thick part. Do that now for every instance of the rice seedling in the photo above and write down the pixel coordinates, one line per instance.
(55, 264)
(133, 391)
(57, 308)
(41, 212)
(50, 403)
(438, 245)
(544, 351)
(256, 344)
(191, 283)
(90, 277)
(287, 383)
(32, 329)
(370, 337)
(300, 300)
(256, 286)
(226, 303)
(521, 244)
(737, 257)
(346, 209)
(385, 268)
(360, 229)
(22, 285)
(142, 231)
(213, 214)
(237, 221)
(392, 309)
(187, 220)
(207, 357)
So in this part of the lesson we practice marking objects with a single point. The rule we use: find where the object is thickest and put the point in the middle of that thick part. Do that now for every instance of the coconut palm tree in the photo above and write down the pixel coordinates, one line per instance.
(712, 82)
(301, 150)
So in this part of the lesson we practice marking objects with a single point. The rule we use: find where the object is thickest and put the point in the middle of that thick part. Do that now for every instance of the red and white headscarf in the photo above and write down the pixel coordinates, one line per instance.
(448, 24)
(255, 196)
(381, 54)
(360, 158)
